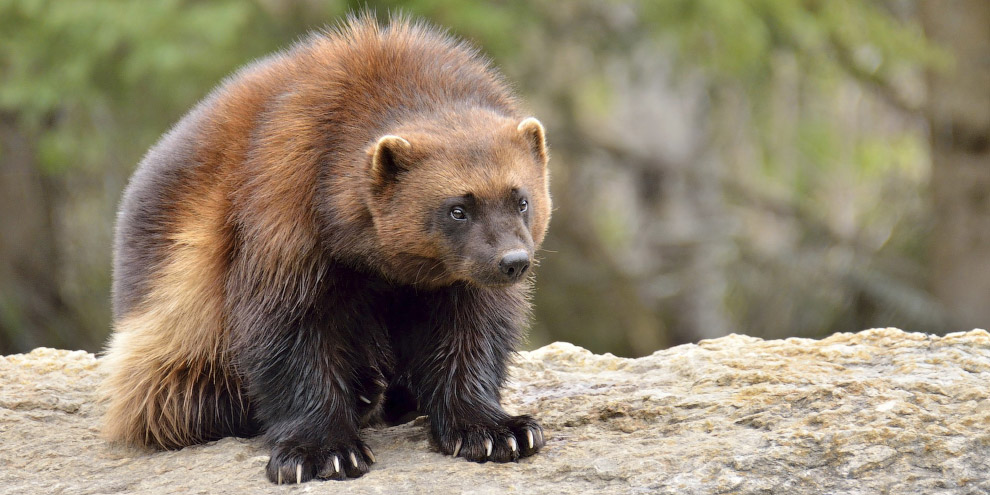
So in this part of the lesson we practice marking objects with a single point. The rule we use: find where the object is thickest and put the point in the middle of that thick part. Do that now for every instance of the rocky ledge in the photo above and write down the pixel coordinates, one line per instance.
(880, 411)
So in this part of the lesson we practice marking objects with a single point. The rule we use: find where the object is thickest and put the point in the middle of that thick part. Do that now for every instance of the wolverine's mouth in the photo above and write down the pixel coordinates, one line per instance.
(431, 272)
(505, 270)
(486, 277)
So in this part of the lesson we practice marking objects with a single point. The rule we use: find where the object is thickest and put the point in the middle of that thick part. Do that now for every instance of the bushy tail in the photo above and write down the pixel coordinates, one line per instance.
(159, 396)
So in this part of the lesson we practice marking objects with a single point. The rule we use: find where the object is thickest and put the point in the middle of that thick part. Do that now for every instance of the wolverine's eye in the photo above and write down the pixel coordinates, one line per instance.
(523, 205)
(457, 213)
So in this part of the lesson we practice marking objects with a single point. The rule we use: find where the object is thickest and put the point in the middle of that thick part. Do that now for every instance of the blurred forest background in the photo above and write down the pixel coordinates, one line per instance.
(769, 167)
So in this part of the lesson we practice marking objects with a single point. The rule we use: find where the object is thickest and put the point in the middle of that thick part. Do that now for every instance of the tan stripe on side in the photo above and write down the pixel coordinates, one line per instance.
(172, 350)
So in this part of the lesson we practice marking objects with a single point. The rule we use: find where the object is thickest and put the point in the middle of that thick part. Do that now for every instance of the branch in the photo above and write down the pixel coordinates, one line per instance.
(879, 85)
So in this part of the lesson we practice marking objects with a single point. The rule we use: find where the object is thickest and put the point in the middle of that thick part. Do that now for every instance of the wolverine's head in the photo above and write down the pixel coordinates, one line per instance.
(461, 197)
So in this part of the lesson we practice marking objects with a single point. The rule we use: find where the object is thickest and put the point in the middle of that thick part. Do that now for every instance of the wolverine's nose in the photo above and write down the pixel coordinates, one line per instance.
(514, 264)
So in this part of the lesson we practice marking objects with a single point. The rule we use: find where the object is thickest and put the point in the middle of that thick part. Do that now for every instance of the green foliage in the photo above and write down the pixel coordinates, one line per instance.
(127, 66)
(737, 39)
(491, 24)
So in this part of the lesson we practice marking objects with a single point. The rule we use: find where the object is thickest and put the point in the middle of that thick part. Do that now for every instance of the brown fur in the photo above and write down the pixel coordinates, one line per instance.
(276, 178)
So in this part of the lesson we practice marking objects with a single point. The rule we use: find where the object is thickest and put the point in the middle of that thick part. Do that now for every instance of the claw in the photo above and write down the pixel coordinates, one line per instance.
(364, 399)
(298, 473)
(336, 464)
(512, 444)
(354, 459)
(368, 453)
(539, 431)
(529, 437)
(488, 447)
(457, 447)
(280, 476)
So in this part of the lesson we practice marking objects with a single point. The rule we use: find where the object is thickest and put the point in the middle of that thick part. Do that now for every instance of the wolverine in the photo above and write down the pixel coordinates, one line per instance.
(340, 234)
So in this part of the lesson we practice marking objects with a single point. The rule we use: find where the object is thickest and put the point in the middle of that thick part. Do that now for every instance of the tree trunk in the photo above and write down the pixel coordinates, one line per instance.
(32, 309)
(958, 112)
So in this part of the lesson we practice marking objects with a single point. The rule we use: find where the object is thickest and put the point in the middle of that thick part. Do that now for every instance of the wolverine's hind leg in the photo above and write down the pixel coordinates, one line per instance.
(160, 396)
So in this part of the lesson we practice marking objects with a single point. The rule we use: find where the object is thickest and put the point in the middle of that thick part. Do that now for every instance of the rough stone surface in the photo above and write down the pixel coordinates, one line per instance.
(877, 412)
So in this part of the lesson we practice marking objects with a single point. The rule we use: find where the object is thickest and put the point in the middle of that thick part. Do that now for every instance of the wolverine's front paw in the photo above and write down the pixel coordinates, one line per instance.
(508, 440)
(296, 462)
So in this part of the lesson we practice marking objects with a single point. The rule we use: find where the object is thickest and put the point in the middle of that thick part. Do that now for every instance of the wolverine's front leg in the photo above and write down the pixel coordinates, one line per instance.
(460, 368)
(299, 367)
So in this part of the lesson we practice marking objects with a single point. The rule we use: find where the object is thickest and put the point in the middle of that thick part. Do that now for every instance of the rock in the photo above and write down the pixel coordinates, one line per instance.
(880, 411)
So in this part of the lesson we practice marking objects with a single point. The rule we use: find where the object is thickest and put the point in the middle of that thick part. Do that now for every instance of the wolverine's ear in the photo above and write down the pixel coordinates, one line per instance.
(388, 158)
(535, 135)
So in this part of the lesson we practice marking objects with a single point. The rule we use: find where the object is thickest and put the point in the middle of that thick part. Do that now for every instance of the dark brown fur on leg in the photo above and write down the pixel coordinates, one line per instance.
(471, 330)
(306, 368)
